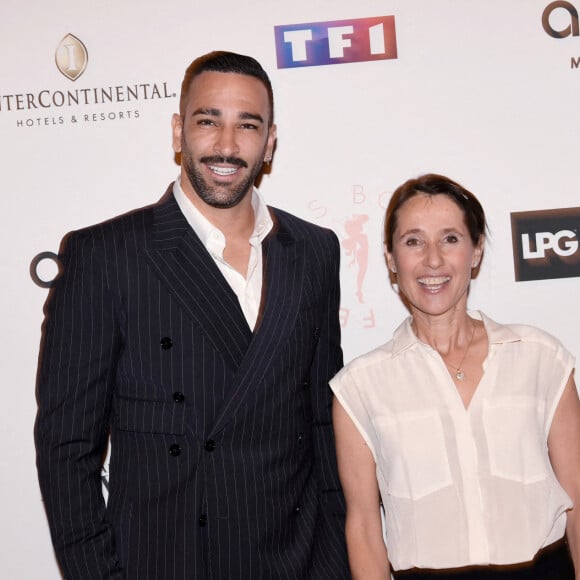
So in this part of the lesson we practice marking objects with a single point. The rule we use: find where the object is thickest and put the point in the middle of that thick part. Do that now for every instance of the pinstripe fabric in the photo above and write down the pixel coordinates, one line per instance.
(222, 457)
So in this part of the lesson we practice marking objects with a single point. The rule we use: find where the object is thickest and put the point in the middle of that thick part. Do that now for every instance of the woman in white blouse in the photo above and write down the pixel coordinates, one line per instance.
(465, 430)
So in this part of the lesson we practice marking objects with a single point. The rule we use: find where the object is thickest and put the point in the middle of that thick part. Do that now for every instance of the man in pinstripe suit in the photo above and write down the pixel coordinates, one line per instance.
(200, 333)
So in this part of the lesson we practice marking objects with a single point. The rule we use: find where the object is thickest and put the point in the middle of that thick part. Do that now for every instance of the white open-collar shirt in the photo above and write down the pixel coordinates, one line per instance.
(248, 289)
(462, 486)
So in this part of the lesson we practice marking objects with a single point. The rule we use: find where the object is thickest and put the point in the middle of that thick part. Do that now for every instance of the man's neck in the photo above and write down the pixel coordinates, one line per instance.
(235, 222)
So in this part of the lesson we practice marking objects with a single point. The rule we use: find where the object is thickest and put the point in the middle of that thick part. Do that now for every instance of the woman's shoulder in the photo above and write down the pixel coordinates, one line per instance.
(360, 370)
(526, 334)
(377, 361)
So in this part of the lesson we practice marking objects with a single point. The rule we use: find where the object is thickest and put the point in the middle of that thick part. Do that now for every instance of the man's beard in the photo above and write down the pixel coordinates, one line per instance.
(219, 196)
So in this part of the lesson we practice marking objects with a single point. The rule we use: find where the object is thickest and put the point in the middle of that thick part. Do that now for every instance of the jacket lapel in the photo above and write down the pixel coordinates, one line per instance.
(184, 266)
(284, 265)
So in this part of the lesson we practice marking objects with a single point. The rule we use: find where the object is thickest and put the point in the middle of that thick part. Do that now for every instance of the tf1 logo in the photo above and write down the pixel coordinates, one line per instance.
(336, 42)
(546, 244)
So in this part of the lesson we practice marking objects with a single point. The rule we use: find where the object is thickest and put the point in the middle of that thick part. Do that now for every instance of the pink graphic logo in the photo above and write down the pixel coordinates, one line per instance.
(356, 245)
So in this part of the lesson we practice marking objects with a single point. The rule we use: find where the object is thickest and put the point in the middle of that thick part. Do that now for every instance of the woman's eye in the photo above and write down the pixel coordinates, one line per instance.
(451, 239)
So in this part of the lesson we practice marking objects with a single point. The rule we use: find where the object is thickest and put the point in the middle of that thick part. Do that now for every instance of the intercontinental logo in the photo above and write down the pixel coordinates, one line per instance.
(71, 57)
(79, 104)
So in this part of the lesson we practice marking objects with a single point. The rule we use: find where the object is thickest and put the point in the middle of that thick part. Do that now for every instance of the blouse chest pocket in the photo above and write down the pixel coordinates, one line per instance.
(515, 440)
(414, 456)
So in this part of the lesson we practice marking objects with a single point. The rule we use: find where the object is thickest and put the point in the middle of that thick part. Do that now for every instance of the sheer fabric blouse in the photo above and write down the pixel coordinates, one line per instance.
(462, 486)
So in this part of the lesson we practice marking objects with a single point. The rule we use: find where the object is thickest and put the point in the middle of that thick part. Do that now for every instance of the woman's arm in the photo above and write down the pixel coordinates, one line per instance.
(366, 550)
(564, 448)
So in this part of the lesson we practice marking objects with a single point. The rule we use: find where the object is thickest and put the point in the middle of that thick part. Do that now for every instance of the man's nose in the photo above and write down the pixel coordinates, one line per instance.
(226, 144)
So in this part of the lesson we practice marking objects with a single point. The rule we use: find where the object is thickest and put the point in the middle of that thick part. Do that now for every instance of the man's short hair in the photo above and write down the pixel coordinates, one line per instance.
(225, 62)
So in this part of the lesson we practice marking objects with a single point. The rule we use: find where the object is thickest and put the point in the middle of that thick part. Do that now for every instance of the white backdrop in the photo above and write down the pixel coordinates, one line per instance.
(479, 91)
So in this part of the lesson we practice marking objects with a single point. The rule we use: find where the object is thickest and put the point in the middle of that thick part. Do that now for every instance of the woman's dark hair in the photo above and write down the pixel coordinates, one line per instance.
(433, 184)
(226, 62)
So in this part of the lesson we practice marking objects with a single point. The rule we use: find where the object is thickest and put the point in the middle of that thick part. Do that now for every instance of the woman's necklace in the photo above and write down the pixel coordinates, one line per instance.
(459, 374)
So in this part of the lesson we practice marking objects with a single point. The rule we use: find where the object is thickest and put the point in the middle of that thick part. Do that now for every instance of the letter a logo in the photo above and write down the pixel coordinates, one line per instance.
(71, 57)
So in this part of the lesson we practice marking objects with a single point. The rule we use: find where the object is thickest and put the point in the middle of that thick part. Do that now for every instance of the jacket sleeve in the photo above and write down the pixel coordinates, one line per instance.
(329, 557)
(79, 348)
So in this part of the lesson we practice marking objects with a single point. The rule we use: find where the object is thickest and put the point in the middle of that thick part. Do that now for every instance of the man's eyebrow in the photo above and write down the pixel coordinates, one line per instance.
(243, 116)
(250, 116)
(207, 111)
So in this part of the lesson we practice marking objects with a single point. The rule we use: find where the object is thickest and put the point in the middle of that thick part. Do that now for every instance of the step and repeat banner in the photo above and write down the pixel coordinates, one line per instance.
(367, 94)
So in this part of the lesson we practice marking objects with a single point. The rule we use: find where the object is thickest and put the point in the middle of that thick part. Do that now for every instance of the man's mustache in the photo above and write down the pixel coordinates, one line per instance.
(216, 159)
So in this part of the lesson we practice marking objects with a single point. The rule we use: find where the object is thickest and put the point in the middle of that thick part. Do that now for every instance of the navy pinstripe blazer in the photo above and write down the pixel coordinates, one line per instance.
(222, 457)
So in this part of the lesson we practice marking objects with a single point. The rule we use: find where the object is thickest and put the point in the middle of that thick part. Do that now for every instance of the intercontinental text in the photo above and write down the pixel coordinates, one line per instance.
(47, 99)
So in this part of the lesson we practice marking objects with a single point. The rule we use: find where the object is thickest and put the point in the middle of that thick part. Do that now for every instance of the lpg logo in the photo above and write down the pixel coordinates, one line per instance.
(563, 243)
(546, 244)
(336, 42)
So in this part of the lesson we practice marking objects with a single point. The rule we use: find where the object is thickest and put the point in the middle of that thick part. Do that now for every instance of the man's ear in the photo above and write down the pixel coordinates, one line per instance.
(272, 133)
(177, 132)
